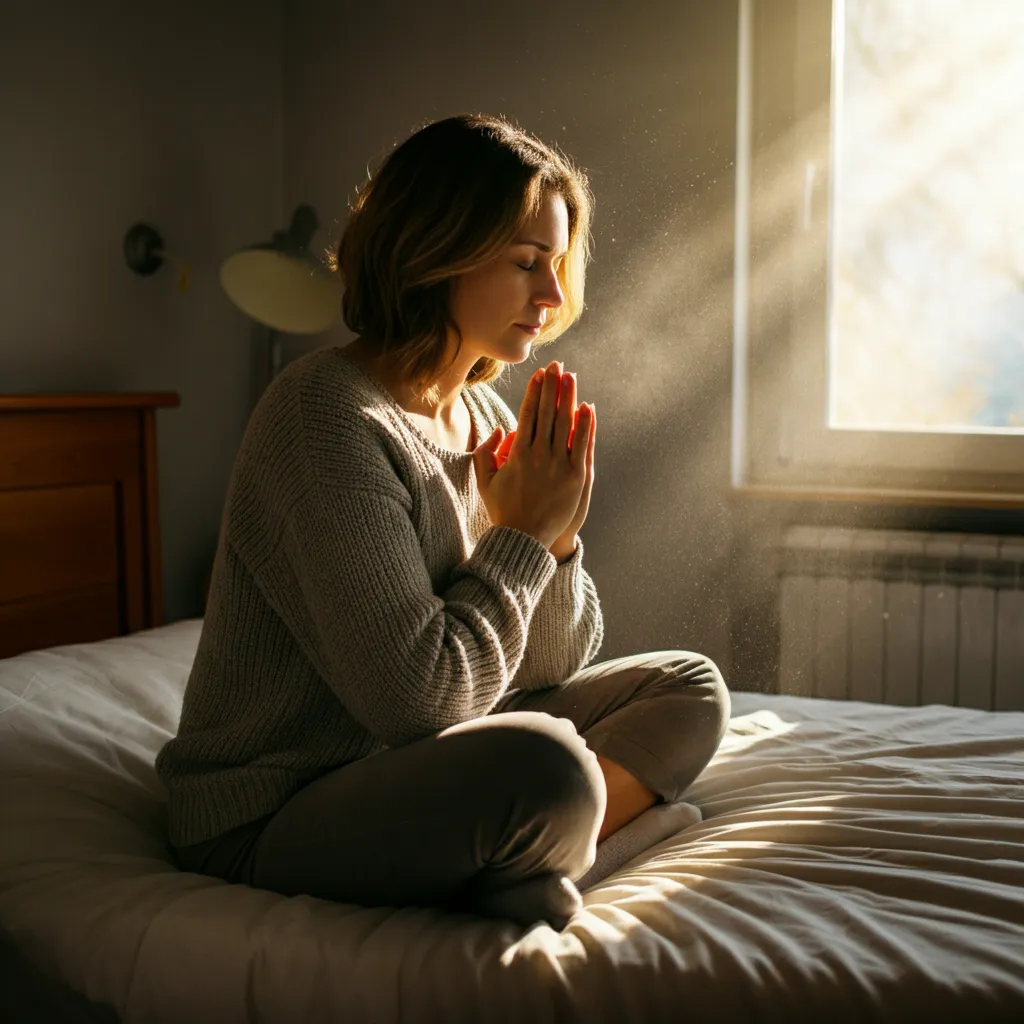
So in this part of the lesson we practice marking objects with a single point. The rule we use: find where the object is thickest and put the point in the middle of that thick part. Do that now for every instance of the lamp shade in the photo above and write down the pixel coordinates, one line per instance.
(287, 293)
(280, 285)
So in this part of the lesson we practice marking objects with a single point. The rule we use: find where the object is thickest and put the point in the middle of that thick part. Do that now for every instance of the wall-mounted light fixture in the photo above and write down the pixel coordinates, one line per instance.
(145, 254)
(277, 284)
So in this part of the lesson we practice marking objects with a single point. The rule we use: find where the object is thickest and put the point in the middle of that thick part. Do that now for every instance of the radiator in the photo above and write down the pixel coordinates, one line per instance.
(902, 617)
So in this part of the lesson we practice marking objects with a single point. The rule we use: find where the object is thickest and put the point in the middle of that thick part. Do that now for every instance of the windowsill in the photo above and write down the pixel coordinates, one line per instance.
(876, 496)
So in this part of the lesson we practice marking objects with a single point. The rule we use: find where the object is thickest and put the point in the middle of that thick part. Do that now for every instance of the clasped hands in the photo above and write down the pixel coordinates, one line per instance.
(564, 546)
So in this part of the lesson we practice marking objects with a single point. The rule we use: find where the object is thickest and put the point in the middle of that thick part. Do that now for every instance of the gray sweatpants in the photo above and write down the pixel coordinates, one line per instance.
(493, 815)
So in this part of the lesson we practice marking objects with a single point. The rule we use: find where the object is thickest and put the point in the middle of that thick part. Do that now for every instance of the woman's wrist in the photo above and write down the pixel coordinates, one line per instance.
(564, 550)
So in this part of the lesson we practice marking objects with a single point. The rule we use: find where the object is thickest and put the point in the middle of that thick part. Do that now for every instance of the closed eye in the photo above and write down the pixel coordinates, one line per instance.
(533, 267)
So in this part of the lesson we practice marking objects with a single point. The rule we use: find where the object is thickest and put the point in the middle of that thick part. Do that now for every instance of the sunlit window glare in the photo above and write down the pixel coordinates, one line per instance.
(927, 247)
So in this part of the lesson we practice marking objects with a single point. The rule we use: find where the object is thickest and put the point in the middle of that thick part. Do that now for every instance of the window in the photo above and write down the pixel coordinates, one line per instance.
(880, 248)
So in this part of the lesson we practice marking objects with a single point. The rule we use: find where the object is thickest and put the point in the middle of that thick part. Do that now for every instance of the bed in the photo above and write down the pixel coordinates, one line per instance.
(856, 862)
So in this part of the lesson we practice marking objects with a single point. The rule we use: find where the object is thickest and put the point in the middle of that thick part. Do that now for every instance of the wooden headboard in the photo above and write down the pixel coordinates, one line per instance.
(79, 518)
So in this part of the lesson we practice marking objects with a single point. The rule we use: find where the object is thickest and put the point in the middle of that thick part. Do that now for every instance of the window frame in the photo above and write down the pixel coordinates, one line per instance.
(786, 107)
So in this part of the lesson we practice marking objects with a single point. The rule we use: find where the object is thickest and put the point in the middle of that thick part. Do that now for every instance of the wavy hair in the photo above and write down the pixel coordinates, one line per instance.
(446, 201)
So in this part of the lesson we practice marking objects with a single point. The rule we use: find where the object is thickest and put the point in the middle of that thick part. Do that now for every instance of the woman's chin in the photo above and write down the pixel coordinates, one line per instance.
(522, 349)
(511, 353)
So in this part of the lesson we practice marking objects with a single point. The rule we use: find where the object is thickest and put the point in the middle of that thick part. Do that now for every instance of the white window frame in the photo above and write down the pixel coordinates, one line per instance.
(781, 445)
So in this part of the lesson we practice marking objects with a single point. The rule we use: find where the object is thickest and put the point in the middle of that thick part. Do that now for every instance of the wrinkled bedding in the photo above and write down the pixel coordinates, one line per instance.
(855, 862)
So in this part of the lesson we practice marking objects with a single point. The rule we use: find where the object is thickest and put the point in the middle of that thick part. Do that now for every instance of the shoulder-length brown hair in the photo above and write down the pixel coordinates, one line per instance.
(446, 201)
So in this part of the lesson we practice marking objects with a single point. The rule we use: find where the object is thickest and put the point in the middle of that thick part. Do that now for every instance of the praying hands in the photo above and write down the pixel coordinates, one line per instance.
(565, 545)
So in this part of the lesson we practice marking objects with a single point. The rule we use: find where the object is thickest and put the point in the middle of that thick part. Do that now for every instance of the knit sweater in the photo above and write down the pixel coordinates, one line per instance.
(361, 598)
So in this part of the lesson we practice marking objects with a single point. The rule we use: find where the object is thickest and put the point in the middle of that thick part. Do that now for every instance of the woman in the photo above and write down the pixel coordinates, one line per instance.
(389, 703)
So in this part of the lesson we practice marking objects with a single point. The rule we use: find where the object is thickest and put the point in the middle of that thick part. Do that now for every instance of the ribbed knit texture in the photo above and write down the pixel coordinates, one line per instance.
(360, 599)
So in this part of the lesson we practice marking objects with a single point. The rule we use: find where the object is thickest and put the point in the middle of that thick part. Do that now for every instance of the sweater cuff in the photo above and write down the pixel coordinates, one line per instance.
(574, 559)
(566, 589)
(520, 553)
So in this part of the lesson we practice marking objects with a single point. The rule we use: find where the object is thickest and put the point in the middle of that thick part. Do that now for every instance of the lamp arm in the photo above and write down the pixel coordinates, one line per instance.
(303, 226)
(275, 353)
(295, 241)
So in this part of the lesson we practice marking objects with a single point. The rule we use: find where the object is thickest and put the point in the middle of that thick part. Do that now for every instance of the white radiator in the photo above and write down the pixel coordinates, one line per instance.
(902, 617)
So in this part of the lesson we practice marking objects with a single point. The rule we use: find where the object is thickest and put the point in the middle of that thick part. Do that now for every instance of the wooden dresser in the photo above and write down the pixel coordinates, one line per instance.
(79, 518)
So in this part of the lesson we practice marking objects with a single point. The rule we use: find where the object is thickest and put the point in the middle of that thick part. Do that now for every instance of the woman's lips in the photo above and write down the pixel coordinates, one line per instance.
(528, 329)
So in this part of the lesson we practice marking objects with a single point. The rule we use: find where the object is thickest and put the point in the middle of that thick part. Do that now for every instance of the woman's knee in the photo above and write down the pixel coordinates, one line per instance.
(542, 826)
(548, 760)
(549, 774)
(683, 717)
(704, 685)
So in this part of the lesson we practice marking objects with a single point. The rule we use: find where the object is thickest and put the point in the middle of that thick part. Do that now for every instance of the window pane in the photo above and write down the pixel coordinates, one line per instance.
(927, 248)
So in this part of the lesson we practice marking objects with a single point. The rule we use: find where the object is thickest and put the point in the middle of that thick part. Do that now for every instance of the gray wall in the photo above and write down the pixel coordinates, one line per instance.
(643, 97)
(110, 113)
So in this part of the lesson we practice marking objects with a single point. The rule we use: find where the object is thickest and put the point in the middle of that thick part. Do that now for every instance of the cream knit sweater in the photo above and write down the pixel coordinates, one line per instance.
(360, 599)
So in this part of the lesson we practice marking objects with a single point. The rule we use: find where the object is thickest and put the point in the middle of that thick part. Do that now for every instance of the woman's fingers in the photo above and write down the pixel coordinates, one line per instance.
(544, 434)
(566, 412)
(505, 448)
(590, 447)
(548, 413)
(527, 424)
(588, 486)
(582, 438)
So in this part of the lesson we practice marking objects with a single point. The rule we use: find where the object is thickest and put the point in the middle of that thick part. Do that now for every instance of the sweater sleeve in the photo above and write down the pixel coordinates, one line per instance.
(567, 628)
(404, 661)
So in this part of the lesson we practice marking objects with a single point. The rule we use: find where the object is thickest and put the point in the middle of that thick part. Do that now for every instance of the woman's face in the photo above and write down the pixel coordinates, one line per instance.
(520, 287)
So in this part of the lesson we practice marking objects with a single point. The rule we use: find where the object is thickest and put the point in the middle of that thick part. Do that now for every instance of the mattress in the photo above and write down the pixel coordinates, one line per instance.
(856, 862)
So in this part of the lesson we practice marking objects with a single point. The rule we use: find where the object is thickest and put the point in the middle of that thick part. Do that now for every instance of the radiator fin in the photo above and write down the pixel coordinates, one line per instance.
(902, 617)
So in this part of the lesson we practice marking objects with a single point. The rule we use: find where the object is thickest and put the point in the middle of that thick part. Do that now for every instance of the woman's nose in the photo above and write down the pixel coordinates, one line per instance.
(551, 295)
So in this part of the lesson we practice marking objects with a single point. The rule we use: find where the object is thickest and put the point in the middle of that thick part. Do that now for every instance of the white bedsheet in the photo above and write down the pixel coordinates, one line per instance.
(856, 862)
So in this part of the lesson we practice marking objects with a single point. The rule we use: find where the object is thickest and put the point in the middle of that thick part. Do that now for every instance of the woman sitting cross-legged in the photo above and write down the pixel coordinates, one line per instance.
(393, 701)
